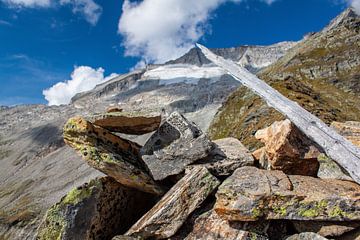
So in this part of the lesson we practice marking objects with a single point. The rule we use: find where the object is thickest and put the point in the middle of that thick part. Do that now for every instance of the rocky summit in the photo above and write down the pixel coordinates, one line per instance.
(182, 151)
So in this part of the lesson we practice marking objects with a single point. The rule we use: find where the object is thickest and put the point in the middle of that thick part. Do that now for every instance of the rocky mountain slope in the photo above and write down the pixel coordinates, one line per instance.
(37, 168)
(321, 73)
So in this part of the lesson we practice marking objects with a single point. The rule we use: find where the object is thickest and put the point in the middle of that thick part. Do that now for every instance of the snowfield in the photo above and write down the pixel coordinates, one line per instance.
(183, 73)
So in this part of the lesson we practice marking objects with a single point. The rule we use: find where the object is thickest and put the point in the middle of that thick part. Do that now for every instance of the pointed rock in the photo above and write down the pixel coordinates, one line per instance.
(288, 149)
(167, 216)
(326, 229)
(99, 209)
(136, 123)
(251, 193)
(229, 154)
(176, 144)
(110, 154)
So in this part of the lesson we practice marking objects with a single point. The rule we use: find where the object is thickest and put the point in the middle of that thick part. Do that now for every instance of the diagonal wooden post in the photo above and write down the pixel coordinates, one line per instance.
(335, 146)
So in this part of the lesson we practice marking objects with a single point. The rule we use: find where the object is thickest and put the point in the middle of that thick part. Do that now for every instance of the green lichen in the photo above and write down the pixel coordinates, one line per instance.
(255, 212)
(55, 224)
(308, 213)
(337, 212)
(281, 210)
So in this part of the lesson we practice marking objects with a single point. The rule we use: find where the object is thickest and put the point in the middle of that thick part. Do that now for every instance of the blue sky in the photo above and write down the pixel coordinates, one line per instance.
(41, 45)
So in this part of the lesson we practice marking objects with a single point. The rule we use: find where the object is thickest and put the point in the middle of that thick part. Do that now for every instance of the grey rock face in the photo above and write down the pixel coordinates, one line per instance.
(176, 144)
(306, 236)
(167, 216)
(229, 154)
(99, 209)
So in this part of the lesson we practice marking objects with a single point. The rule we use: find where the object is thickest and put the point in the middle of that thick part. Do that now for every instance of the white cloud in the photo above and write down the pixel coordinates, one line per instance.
(160, 30)
(356, 5)
(83, 78)
(27, 3)
(87, 8)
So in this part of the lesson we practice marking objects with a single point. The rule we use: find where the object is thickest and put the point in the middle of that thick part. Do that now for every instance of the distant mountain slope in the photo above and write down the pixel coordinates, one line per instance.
(254, 58)
(321, 73)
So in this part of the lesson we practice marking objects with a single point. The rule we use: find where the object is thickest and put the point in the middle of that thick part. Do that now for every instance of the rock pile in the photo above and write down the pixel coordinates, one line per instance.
(181, 185)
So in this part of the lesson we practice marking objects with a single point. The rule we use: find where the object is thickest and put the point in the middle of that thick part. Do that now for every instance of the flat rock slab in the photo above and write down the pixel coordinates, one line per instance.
(288, 149)
(168, 215)
(99, 209)
(110, 154)
(251, 193)
(136, 123)
(176, 144)
(229, 154)
(211, 227)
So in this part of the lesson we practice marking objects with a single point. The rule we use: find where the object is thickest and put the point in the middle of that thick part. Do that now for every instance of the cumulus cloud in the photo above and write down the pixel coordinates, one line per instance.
(356, 5)
(83, 78)
(160, 30)
(87, 8)
(27, 3)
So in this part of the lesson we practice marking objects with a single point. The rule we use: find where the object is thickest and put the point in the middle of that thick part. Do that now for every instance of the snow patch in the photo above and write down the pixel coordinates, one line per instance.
(184, 73)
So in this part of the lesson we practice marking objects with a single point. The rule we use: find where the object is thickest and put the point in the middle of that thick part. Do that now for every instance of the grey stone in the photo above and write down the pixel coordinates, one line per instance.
(176, 144)
(228, 155)
(97, 210)
(306, 236)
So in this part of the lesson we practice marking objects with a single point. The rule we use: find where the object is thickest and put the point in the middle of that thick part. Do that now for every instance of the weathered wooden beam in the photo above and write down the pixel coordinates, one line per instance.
(335, 146)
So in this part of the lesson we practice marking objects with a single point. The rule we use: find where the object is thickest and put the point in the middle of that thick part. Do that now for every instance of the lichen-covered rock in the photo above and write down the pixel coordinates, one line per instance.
(110, 154)
(176, 144)
(99, 209)
(306, 236)
(211, 227)
(251, 193)
(167, 216)
(136, 123)
(122, 237)
(288, 149)
(329, 169)
(350, 130)
(228, 155)
(325, 229)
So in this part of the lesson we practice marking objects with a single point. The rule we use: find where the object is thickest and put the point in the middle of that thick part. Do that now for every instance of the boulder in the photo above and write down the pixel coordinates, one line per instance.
(210, 226)
(110, 154)
(176, 144)
(250, 194)
(325, 229)
(329, 169)
(168, 215)
(288, 149)
(229, 154)
(99, 209)
(306, 236)
(136, 123)
(350, 130)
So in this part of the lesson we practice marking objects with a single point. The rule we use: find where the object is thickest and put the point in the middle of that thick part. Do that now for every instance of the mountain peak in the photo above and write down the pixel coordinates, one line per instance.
(346, 16)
